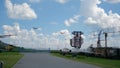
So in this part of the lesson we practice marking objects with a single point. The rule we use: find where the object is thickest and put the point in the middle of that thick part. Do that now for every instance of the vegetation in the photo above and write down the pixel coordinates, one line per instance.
(105, 63)
(9, 58)
(9, 54)
(4, 47)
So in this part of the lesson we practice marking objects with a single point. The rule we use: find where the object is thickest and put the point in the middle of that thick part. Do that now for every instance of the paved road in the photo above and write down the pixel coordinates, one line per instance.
(45, 60)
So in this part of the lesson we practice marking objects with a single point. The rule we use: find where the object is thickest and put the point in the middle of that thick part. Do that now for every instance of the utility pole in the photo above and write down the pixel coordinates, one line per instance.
(106, 34)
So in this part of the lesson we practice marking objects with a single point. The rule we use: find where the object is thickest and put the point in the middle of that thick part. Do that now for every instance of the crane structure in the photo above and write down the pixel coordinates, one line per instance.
(99, 40)
(77, 40)
(105, 33)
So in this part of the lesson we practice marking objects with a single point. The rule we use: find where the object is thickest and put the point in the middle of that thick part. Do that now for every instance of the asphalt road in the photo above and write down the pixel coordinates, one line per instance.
(45, 60)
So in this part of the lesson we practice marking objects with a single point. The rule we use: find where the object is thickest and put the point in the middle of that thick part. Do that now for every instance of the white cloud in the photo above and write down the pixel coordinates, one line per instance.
(97, 15)
(11, 30)
(6, 27)
(62, 1)
(35, 1)
(65, 33)
(91, 20)
(112, 1)
(67, 23)
(32, 39)
(71, 20)
(20, 11)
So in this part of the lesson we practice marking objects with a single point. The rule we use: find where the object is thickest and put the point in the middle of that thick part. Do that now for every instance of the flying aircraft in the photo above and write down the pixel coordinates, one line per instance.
(35, 28)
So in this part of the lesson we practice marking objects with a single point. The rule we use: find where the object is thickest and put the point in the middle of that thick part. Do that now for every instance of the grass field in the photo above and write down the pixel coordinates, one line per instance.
(9, 58)
(104, 63)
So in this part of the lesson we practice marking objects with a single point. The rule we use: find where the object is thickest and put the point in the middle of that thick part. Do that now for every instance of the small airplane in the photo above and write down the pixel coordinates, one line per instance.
(62, 32)
(35, 28)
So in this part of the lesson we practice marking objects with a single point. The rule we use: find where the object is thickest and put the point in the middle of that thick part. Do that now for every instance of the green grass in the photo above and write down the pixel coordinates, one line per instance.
(9, 58)
(104, 63)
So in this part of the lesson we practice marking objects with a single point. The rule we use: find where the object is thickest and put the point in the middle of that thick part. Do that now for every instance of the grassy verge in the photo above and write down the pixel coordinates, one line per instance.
(105, 63)
(9, 58)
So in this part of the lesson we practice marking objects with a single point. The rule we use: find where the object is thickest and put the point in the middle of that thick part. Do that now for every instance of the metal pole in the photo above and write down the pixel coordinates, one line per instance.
(105, 39)
(106, 44)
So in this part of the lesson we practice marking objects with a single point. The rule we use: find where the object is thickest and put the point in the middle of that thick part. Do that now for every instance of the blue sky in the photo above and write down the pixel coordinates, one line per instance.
(53, 16)
(48, 11)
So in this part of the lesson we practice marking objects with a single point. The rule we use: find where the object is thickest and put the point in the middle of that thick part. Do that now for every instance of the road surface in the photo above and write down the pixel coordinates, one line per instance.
(45, 60)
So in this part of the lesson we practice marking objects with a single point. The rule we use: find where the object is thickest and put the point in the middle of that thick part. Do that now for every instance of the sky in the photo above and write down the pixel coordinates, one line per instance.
(56, 19)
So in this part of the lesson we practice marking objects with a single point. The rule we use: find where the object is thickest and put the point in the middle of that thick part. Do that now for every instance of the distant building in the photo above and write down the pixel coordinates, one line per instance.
(106, 52)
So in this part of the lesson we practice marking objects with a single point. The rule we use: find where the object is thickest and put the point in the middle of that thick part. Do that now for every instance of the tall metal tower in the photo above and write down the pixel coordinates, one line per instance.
(77, 40)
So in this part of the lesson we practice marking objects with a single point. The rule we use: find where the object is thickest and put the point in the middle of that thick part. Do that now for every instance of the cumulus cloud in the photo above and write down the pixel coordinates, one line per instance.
(62, 1)
(61, 32)
(91, 20)
(20, 11)
(6, 27)
(65, 34)
(72, 20)
(11, 30)
(97, 15)
(32, 39)
(112, 1)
